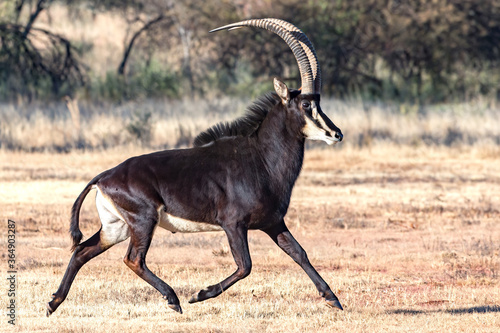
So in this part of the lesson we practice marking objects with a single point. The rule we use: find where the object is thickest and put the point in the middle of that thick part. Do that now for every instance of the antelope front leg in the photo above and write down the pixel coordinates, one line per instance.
(284, 239)
(238, 242)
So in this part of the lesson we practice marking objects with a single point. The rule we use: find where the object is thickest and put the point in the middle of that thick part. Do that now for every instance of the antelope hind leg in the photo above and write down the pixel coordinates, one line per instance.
(83, 253)
(135, 259)
(113, 230)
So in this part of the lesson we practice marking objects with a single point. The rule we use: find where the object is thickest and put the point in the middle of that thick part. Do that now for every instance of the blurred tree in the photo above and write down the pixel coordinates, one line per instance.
(414, 51)
(31, 57)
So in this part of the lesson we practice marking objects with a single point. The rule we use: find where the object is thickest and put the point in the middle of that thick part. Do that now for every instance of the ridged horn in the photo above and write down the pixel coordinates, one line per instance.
(299, 44)
(308, 48)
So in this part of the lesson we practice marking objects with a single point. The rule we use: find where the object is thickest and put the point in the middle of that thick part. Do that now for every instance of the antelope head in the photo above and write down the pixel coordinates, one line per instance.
(306, 100)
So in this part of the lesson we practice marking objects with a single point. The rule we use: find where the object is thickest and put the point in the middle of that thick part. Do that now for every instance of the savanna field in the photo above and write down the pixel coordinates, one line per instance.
(401, 219)
(407, 237)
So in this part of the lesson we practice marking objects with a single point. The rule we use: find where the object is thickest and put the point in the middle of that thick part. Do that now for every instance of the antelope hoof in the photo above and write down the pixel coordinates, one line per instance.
(200, 296)
(333, 303)
(49, 310)
(194, 299)
(209, 292)
(173, 304)
(175, 307)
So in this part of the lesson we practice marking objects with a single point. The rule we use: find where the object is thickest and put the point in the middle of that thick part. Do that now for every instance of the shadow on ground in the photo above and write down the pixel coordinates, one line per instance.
(475, 309)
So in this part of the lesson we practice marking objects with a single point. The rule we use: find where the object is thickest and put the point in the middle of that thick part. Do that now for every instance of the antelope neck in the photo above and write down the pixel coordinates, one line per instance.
(281, 147)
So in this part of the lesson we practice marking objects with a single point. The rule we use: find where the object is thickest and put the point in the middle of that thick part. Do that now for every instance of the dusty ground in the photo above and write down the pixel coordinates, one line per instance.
(408, 239)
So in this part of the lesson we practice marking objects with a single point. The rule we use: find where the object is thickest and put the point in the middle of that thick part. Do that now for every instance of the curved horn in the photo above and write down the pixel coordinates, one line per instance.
(308, 48)
(299, 44)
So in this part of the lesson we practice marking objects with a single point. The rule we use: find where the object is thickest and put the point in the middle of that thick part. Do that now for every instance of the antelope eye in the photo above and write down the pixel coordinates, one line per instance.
(306, 105)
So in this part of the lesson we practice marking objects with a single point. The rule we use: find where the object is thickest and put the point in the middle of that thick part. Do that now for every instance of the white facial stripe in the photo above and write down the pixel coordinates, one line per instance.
(312, 132)
(314, 110)
(321, 121)
(177, 224)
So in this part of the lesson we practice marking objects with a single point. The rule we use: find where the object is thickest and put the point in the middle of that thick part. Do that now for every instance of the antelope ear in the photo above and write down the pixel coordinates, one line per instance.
(282, 91)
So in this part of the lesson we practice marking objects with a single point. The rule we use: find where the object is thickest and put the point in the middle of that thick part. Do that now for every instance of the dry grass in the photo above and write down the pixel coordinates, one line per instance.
(40, 127)
(406, 233)
(407, 238)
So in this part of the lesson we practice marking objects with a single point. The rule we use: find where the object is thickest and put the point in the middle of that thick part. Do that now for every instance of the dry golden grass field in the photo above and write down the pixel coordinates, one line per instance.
(408, 239)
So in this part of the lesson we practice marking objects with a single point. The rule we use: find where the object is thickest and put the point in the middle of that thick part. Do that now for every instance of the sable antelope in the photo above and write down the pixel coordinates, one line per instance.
(238, 176)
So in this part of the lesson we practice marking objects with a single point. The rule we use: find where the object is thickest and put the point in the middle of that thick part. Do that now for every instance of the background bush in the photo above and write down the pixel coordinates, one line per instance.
(415, 52)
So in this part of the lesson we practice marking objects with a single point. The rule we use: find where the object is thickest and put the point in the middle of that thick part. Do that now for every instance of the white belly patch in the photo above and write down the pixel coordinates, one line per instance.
(177, 224)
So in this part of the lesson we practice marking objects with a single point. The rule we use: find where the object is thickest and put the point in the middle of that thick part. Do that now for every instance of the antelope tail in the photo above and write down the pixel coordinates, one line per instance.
(74, 229)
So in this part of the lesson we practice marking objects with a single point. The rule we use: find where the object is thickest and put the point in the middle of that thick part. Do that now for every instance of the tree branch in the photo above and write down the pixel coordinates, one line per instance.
(19, 8)
(39, 8)
(126, 54)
